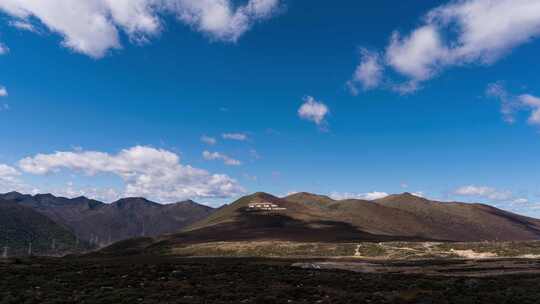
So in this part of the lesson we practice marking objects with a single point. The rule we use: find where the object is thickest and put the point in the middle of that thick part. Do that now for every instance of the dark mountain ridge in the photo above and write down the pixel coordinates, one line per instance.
(24, 231)
(102, 224)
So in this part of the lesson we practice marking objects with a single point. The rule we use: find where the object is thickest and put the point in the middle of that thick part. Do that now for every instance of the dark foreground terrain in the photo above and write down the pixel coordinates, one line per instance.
(229, 280)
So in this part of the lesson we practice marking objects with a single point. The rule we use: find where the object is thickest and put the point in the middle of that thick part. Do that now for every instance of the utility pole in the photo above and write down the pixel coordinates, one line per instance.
(53, 245)
(5, 254)
(30, 248)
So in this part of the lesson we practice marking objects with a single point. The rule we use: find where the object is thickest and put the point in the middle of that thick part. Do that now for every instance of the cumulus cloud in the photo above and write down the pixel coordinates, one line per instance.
(489, 193)
(364, 196)
(220, 156)
(208, 140)
(417, 55)
(313, 110)
(3, 91)
(148, 172)
(460, 33)
(93, 27)
(218, 19)
(235, 136)
(511, 104)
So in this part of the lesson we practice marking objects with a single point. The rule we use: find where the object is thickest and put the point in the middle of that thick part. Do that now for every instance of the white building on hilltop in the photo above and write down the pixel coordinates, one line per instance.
(265, 206)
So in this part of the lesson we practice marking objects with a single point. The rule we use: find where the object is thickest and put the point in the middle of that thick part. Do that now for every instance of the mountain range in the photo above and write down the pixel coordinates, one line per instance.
(101, 224)
(311, 217)
(302, 217)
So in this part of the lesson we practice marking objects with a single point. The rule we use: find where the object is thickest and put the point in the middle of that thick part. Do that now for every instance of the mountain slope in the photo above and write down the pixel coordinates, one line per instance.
(294, 221)
(396, 217)
(24, 230)
(102, 224)
(464, 222)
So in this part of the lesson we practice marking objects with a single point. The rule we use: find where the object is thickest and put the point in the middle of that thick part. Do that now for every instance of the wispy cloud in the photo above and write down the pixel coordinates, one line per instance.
(489, 193)
(208, 140)
(3, 49)
(23, 25)
(235, 136)
(368, 74)
(363, 196)
(220, 156)
(511, 104)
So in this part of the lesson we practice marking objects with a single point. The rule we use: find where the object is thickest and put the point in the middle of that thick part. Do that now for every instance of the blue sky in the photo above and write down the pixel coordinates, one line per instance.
(353, 100)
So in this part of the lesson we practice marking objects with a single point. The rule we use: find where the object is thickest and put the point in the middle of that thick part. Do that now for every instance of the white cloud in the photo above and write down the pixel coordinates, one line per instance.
(208, 140)
(460, 33)
(148, 172)
(10, 179)
(364, 196)
(8, 172)
(534, 103)
(107, 195)
(3, 49)
(313, 110)
(511, 104)
(219, 156)
(235, 136)
(23, 25)
(418, 55)
(368, 74)
(520, 201)
(218, 19)
(486, 192)
(3, 91)
(419, 194)
(92, 27)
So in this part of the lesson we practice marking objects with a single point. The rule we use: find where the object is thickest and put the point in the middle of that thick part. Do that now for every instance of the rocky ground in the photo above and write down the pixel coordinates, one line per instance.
(230, 280)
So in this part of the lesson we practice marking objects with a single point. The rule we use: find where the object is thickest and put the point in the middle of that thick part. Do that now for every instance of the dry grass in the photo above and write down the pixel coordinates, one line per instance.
(386, 250)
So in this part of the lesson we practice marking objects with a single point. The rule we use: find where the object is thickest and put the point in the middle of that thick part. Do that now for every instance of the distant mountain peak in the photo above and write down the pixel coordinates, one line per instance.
(402, 196)
(14, 193)
(306, 197)
(261, 195)
(133, 202)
